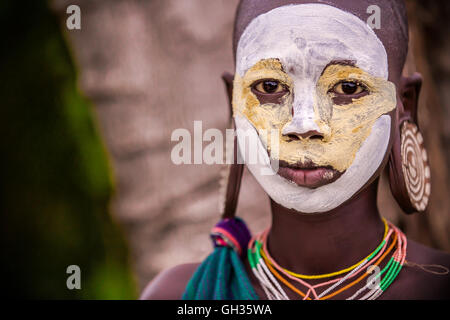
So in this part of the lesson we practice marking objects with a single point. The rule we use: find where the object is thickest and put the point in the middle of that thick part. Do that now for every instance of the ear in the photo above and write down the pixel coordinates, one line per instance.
(409, 93)
(228, 80)
(409, 172)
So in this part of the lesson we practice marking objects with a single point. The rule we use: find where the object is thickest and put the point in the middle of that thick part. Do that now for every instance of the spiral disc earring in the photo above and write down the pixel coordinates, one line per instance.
(415, 168)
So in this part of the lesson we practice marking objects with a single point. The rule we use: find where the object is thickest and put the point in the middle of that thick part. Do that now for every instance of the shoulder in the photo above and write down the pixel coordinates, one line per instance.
(424, 275)
(170, 283)
(419, 253)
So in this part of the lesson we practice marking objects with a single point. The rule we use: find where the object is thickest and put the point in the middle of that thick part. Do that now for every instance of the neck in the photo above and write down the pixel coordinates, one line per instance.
(326, 242)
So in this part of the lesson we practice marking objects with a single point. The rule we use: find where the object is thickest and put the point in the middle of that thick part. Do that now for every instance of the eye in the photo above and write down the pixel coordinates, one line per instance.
(269, 86)
(348, 88)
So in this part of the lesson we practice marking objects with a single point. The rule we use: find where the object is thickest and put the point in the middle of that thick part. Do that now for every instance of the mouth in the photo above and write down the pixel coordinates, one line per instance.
(308, 174)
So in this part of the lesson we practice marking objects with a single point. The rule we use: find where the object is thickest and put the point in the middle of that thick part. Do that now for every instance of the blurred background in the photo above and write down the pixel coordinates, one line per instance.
(85, 127)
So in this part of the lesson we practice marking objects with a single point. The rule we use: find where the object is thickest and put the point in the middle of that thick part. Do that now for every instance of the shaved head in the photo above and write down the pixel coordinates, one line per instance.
(393, 32)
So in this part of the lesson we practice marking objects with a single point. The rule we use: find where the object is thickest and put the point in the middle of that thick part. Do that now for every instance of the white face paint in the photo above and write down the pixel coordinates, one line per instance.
(305, 39)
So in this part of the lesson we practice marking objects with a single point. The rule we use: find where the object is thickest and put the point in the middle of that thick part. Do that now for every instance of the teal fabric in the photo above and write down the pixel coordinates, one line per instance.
(221, 276)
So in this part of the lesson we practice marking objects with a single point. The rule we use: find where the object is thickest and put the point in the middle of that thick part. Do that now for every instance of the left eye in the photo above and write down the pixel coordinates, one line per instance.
(269, 86)
(348, 88)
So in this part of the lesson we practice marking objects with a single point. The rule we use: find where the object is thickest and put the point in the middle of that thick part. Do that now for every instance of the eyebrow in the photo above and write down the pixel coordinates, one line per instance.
(343, 62)
(351, 63)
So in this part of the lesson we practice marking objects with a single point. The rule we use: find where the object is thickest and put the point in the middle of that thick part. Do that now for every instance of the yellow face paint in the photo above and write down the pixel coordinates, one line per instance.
(344, 127)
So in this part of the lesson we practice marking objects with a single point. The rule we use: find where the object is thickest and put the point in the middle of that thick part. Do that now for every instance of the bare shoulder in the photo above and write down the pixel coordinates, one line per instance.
(424, 275)
(170, 283)
(420, 253)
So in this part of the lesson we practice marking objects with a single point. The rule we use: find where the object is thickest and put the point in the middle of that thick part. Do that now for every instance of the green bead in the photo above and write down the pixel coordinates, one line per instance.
(389, 274)
(377, 250)
(392, 276)
(250, 258)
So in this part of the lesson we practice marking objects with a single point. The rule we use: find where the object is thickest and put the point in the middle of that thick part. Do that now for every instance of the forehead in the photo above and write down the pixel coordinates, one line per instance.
(307, 37)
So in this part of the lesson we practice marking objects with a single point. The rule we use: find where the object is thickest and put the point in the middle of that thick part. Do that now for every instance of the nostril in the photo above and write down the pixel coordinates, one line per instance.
(311, 134)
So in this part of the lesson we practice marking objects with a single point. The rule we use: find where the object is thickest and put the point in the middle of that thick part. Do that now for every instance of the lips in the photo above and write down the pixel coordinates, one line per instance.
(308, 175)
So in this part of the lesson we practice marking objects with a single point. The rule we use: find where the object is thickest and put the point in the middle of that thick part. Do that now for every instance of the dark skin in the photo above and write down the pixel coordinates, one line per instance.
(331, 241)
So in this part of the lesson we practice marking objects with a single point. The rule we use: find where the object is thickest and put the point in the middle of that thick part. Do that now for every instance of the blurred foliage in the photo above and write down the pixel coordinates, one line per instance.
(54, 174)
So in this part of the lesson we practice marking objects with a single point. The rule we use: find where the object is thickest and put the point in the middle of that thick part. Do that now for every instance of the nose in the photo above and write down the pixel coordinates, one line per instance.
(301, 128)
(303, 124)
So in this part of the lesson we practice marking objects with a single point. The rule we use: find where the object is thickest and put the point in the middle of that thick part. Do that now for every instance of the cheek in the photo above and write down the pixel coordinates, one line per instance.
(267, 116)
(354, 120)
(352, 124)
(393, 117)
(358, 117)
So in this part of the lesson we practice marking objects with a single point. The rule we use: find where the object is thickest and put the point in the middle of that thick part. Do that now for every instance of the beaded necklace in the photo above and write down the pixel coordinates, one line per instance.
(329, 275)
(267, 271)
(312, 288)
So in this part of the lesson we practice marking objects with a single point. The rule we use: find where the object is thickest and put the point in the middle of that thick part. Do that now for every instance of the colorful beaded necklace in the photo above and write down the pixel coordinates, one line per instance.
(269, 273)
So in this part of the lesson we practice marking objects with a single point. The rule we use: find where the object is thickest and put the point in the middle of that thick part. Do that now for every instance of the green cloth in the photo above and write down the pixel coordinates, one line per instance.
(221, 276)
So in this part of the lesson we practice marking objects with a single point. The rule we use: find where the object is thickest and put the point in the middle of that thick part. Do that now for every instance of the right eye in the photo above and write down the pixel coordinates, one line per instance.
(349, 88)
(269, 87)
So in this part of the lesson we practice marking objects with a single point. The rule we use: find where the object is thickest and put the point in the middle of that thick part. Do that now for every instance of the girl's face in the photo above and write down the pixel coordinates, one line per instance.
(316, 76)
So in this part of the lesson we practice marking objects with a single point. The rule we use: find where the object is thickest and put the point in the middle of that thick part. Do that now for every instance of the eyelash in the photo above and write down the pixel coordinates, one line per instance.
(284, 87)
(357, 82)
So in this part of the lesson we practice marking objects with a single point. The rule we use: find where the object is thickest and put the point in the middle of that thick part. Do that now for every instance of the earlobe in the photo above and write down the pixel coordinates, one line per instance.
(228, 81)
(232, 174)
